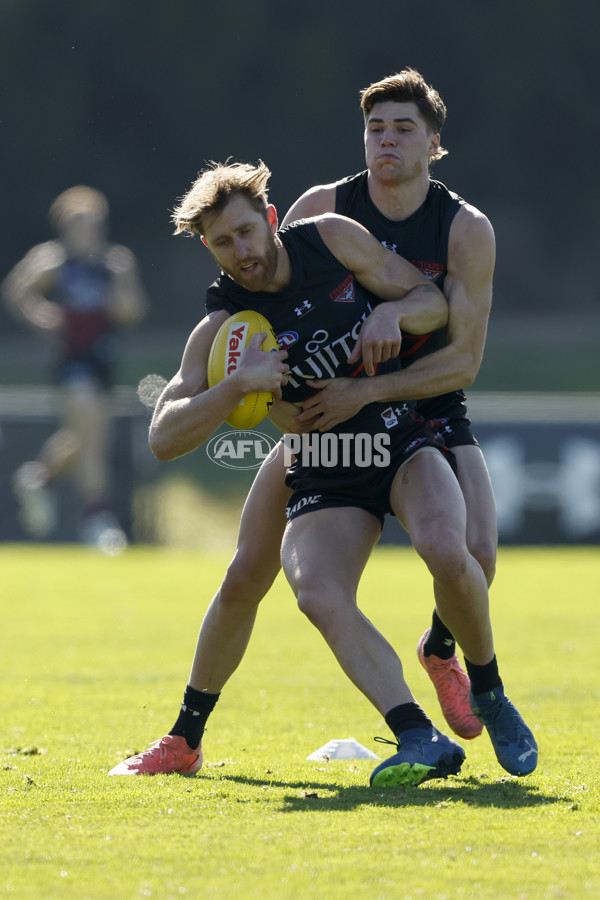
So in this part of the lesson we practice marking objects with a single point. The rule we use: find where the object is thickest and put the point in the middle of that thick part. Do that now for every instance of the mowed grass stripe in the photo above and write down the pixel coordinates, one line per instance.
(96, 653)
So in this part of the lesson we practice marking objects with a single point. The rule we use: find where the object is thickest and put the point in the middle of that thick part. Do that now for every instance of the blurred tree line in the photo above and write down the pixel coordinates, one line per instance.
(133, 97)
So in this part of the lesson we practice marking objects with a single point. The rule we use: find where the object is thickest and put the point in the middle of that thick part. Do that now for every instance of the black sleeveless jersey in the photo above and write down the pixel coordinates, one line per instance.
(83, 289)
(422, 239)
(316, 318)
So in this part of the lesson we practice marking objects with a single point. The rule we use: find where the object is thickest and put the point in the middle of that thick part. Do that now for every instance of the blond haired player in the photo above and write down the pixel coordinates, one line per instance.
(76, 292)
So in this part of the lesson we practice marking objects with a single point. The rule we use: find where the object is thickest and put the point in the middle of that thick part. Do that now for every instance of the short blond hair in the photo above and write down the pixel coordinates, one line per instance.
(213, 189)
(75, 201)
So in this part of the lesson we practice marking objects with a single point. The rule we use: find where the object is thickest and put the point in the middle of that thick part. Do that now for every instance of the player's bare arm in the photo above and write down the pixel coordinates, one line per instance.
(188, 411)
(468, 288)
(27, 287)
(128, 302)
(283, 415)
(380, 338)
(421, 307)
(380, 270)
(315, 202)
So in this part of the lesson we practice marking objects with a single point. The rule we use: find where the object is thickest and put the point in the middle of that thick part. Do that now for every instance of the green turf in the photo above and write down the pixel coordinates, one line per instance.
(95, 655)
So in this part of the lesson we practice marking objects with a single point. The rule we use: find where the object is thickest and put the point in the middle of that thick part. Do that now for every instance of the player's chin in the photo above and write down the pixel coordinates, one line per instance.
(253, 279)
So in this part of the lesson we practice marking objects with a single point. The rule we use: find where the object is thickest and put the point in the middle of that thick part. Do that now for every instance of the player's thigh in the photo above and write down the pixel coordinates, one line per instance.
(263, 518)
(86, 410)
(476, 487)
(427, 500)
(325, 551)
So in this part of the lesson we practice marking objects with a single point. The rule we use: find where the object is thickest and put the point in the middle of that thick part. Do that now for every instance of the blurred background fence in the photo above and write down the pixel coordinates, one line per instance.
(542, 450)
(134, 98)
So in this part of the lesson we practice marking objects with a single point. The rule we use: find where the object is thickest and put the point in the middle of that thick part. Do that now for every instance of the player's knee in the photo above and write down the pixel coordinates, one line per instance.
(485, 554)
(310, 602)
(327, 611)
(307, 606)
(445, 556)
(246, 579)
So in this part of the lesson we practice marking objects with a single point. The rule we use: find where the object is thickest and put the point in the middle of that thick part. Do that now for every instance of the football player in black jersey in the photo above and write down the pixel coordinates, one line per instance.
(408, 211)
(399, 202)
(76, 291)
(236, 231)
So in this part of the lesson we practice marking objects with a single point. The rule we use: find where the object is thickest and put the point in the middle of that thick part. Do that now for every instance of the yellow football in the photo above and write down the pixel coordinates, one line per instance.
(225, 354)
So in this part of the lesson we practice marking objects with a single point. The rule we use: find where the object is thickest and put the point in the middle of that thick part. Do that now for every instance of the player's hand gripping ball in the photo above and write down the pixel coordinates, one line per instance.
(225, 354)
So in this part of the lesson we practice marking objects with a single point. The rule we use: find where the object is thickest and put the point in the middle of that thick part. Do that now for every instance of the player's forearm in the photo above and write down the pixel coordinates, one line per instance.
(429, 376)
(282, 414)
(42, 315)
(181, 426)
(127, 309)
(424, 309)
(128, 303)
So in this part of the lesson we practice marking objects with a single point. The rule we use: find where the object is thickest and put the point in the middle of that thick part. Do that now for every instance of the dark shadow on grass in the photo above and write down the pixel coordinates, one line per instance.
(504, 794)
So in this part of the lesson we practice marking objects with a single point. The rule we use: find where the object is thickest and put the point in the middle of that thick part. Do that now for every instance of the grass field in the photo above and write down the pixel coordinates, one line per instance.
(95, 656)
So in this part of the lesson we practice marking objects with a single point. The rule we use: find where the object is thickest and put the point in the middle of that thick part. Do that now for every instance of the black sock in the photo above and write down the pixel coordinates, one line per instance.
(439, 642)
(195, 710)
(407, 715)
(483, 678)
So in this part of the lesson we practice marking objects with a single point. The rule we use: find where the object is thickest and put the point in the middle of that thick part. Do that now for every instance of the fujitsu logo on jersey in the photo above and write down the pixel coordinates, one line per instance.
(325, 355)
(236, 340)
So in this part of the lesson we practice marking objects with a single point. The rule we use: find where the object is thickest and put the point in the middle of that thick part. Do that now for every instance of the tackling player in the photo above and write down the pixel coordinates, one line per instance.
(450, 240)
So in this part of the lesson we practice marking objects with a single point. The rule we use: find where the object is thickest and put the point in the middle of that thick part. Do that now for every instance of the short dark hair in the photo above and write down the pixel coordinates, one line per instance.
(408, 86)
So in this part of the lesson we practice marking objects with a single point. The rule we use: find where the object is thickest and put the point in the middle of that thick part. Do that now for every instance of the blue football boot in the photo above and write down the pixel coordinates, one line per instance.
(513, 741)
(423, 753)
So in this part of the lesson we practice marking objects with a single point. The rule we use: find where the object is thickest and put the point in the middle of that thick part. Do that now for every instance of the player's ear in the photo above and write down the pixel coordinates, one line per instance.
(272, 217)
(434, 144)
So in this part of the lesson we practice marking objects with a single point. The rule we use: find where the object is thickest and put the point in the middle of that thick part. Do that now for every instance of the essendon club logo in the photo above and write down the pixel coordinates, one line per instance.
(429, 269)
(389, 417)
(236, 340)
(344, 292)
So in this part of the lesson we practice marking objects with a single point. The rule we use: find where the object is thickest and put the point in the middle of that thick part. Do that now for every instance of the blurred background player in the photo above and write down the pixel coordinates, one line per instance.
(76, 291)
